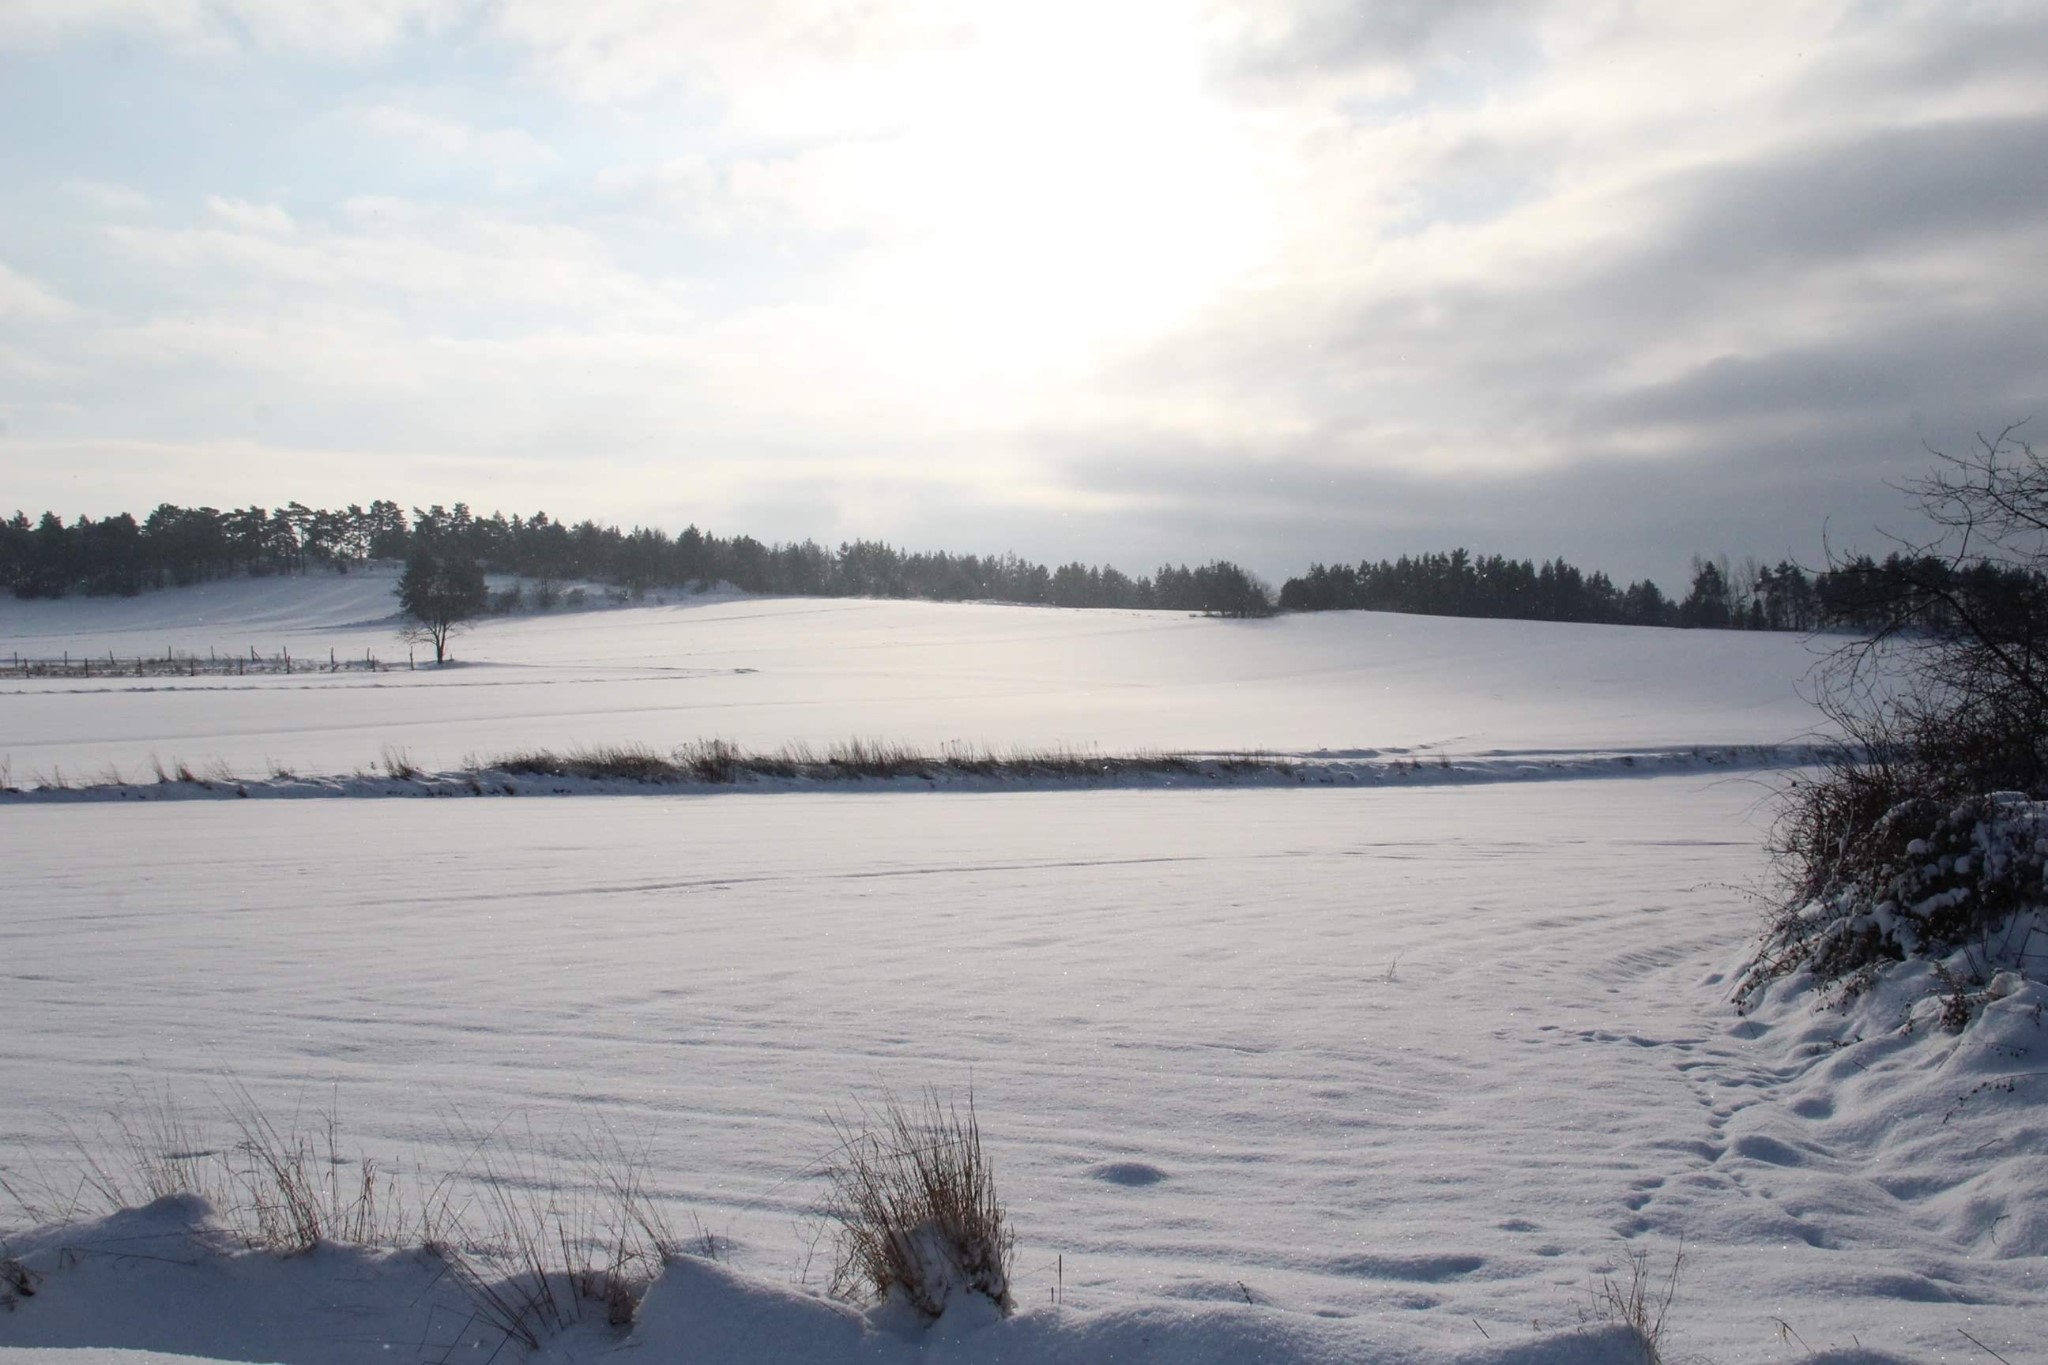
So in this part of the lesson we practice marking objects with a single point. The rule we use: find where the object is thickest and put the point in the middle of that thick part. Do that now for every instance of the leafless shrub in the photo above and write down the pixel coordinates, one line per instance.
(398, 765)
(914, 1205)
(1902, 842)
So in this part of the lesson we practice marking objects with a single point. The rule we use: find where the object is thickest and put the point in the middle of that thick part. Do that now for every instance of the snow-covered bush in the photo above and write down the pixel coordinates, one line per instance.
(1964, 884)
(1921, 835)
(915, 1206)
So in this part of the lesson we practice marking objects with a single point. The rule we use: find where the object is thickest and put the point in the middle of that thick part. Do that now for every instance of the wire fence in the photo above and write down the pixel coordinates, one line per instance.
(174, 664)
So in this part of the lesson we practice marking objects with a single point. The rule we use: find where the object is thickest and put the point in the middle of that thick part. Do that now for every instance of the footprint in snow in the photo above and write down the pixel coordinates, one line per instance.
(1757, 1147)
(1130, 1174)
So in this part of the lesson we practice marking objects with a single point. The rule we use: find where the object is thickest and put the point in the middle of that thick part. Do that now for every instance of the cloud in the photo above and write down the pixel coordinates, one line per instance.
(1881, 192)
(385, 256)
(1188, 278)
(334, 28)
(24, 300)
(1268, 42)
(829, 197)
(1526, 327)
(509, 151)
(1630, 517)
(788, 64)
(103, 197)
(267, 219)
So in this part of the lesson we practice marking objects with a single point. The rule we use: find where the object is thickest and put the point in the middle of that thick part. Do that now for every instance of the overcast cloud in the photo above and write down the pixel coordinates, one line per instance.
(1282, 282)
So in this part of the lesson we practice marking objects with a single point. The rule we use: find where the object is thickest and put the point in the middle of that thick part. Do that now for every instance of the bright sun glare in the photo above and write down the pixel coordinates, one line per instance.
(1061, 197)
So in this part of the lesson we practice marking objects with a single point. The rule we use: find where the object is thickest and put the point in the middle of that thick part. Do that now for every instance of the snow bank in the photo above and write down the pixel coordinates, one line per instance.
(161, 1286)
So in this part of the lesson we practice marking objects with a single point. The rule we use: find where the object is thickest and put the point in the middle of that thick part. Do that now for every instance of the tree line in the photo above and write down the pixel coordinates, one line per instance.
(183, 545)
(1858, 592)
(1461, 584)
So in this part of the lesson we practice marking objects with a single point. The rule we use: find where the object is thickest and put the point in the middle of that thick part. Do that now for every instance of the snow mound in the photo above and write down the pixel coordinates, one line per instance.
(162, 1285)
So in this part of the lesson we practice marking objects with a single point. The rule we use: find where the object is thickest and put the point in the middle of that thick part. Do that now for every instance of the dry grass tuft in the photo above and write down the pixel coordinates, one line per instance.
(721, 762)
(291, 1193)
(283, 1189)
(552, 1245)
(630, 762)
(1639, 1304)
(914, 1204)
(537, 1241)
(710, 760)
(17, 1282)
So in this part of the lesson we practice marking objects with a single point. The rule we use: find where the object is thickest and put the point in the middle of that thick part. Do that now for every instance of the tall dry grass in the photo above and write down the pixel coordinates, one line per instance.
(914, 1205)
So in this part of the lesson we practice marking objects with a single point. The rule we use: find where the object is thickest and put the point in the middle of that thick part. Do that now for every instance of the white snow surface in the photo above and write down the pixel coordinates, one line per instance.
(765, 672)
(1323, 1074)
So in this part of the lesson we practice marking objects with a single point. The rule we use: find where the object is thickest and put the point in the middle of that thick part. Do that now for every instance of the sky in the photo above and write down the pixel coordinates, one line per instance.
(1128, 280)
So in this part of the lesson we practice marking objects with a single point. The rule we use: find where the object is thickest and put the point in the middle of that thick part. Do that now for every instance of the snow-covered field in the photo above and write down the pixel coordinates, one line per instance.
(768, 672)
(1267, 1074)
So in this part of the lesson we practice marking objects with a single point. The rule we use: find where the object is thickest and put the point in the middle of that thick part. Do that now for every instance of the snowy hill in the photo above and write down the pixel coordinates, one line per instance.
(765, 672)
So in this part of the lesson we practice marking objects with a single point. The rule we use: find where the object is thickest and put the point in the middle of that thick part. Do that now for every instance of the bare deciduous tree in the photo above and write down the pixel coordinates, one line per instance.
(438, 593)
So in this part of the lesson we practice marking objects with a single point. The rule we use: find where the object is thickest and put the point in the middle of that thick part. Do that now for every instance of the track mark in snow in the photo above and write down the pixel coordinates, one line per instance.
(1217, 1291)
(1768, 1150)
(1428, 1268)
(810, 878)
(1130, 1174)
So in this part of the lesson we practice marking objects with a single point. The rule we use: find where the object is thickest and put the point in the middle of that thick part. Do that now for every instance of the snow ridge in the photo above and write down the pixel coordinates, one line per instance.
(1348, 768)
